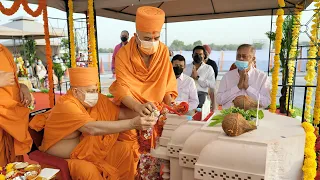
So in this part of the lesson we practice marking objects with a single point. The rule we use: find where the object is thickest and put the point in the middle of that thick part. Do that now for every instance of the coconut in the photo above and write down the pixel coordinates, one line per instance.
(245, 102)
(235, 124)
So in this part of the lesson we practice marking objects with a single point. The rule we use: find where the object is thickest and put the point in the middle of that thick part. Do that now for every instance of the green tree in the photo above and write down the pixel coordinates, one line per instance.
(64, 44)
(109, 50)
(105, 50)
(58, 72)
(197, 43)
(177, 45)
(189, 47)
(29, 51)
(285, 44)
(258, 46)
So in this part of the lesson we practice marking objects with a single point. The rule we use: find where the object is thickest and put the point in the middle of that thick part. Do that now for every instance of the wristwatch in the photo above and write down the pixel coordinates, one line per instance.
(198, 77)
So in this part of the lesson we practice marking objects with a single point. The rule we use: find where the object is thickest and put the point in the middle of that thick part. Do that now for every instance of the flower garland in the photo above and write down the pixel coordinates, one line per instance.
(13, 9)
(71, 38)
(281, 3)
(276, 63)
(92, 37)
(316, 113)
(316, 109)
(293, 50)
(16, 4)
(310, 164)
(48, 55)
(311, 72)
(38, 11)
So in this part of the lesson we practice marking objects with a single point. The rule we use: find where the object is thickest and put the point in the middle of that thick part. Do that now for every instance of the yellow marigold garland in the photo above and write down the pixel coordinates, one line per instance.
(311, 72)
(276, 63)
(293, 49)
(71, 38)
(316, 110)
(309, 167)
(92, 37)
(281, 3)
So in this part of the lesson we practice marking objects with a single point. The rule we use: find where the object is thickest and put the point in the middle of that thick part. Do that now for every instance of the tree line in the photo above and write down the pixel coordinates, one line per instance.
(178, 45)
(105, 50)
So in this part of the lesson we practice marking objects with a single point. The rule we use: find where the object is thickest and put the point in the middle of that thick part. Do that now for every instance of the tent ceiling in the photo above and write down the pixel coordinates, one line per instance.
(180, 10)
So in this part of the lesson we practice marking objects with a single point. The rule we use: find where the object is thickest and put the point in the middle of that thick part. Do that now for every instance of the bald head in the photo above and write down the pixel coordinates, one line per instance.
(247, 46)
(246, 52)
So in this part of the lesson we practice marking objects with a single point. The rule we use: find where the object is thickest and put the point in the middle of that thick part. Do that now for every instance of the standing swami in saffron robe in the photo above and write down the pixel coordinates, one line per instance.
(15, 139)
(83, 128)
(144, 73)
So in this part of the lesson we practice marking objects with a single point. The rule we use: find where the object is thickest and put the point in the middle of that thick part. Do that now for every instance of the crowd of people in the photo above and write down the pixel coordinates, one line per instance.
(100, 138)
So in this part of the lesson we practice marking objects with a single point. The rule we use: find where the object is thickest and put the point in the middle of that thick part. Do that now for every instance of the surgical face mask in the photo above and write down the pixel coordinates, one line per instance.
(242, 65)
(39, 62)
(90, 98)
(148, 47)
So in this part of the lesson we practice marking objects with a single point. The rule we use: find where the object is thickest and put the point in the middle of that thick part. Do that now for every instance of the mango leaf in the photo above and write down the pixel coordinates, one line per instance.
(218, 117)
(261, 114)
(213, 123)
(253, 113)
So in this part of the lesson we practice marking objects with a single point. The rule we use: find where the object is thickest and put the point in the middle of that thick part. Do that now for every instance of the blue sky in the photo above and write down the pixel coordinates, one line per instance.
(218, 31)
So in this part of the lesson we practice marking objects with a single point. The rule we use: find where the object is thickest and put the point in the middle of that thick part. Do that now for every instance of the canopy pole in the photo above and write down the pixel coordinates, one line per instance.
(270, 42)
(67, 13)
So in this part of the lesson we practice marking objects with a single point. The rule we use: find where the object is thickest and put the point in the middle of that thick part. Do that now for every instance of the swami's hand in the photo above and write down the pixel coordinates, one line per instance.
(25, 96)
(145, 109)
(6, 79)
(143, 123)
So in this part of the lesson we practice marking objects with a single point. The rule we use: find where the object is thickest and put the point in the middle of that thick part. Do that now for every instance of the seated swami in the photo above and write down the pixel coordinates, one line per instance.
(83, 128)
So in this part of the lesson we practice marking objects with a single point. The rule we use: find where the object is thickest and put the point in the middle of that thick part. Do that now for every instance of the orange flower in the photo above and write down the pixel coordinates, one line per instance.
(38, 11)
(13, 9)
(48, 55)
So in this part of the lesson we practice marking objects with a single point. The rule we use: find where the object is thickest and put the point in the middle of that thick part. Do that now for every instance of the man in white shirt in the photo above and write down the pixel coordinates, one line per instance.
(202, 73)
(187, 91)
(244, 81)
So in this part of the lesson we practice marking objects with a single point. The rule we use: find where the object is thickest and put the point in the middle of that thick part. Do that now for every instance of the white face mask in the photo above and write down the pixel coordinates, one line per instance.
(148, 47)
(90, 98)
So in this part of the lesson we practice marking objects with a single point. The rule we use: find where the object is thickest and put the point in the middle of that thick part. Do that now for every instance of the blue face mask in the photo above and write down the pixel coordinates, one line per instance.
(242, 65)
